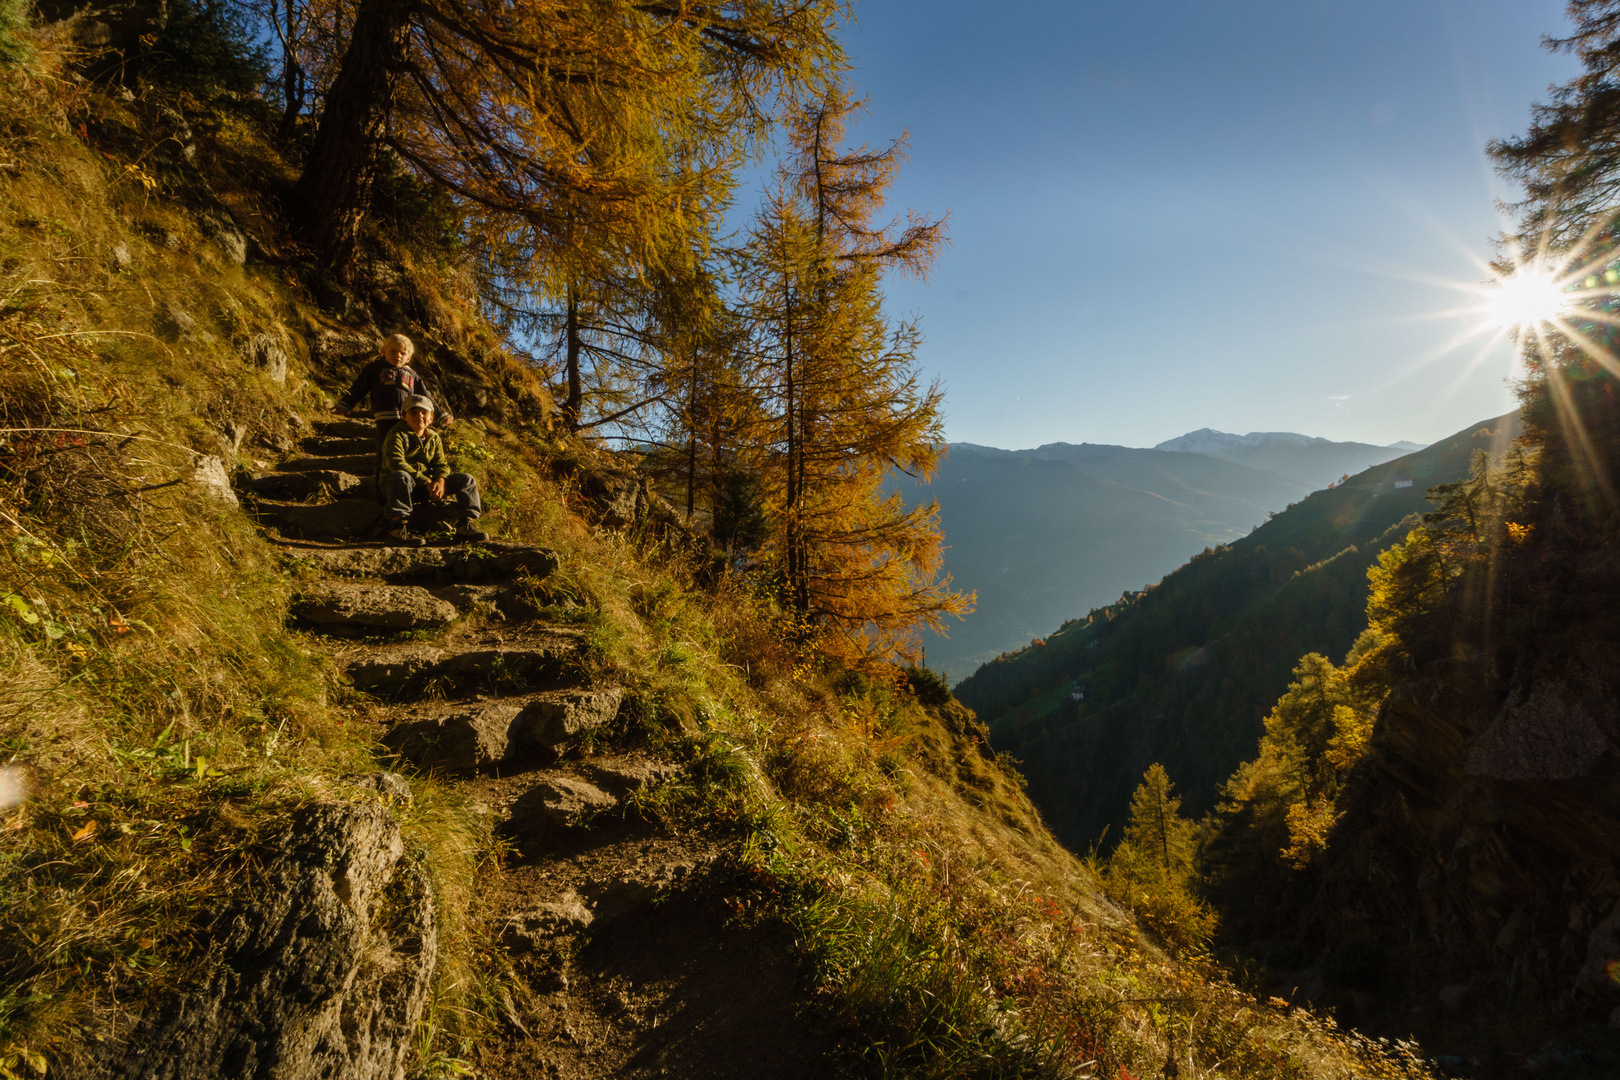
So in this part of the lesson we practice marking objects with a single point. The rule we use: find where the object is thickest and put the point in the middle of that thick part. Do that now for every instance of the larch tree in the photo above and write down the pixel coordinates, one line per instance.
(848, 403)
(1154, 869)
(1156, 828)
(568, 132)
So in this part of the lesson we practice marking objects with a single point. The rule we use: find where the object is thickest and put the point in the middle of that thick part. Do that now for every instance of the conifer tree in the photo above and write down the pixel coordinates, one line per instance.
(609, 130)
(847, 400)
(1156, 828)
(1154, 869)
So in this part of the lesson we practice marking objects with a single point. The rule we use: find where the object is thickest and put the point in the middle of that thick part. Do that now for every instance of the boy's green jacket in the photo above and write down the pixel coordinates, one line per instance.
(402, 451)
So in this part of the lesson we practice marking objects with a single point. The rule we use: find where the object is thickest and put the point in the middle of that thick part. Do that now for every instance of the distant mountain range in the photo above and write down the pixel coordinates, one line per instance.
(1318, 462)
(1045, 534)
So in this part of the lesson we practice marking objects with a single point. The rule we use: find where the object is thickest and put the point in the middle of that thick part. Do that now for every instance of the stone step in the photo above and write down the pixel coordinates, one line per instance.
(596, 903)
(344, 519)
(493, 561)
(334, 427)
(343, 604)
(299, 486)
(326, 447)
(506, 731)
(404, 671)
(357, 464)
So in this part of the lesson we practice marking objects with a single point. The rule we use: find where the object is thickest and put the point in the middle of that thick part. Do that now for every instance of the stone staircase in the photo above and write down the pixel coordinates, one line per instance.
(461, 673)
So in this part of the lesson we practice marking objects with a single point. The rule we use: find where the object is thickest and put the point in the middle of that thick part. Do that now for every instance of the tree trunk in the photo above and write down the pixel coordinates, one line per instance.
(691, 446)
(334, 193)
(292, 74)
(797, 586)
(576, 390)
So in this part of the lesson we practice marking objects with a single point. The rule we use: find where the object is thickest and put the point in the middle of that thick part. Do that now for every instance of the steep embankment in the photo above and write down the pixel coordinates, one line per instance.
(1183, 673)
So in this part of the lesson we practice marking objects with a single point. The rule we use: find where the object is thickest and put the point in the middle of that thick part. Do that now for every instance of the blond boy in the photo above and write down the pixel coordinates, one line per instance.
(388, 383)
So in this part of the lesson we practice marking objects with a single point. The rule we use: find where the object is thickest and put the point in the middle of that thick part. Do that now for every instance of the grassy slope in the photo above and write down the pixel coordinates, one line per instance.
(164, 717)
(1183, 674)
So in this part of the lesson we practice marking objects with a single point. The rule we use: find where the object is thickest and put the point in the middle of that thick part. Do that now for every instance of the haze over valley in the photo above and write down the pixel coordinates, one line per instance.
(1046, 534)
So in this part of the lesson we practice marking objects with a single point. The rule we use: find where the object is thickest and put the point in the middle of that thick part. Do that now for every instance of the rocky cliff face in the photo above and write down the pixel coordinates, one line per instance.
(321, 971)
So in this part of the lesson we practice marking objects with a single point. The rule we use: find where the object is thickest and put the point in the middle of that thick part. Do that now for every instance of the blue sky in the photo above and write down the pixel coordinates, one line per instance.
(1184, 214)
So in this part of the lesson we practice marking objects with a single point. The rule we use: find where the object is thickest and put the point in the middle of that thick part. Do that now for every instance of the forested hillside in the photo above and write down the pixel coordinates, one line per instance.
(1183, 673)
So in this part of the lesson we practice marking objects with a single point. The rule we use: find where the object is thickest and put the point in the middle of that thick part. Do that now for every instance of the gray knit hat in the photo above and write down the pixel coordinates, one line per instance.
(418, 402)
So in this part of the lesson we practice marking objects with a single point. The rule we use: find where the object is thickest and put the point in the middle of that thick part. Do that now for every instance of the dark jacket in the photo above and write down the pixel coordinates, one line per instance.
(389, 387)
(402, 451)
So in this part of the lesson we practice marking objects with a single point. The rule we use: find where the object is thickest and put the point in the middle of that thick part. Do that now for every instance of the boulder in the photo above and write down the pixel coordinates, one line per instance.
(616, 496)
(210, 477)
(264, 352)
(468, 738)
(556, 721)
(321, 967)
(348, 517)
(387, 607)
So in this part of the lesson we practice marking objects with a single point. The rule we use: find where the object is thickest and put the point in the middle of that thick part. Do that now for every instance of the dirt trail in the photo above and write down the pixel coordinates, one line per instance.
(626, 965)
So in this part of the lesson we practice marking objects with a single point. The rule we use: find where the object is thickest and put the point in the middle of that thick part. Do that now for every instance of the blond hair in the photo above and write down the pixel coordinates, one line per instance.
(402, 341)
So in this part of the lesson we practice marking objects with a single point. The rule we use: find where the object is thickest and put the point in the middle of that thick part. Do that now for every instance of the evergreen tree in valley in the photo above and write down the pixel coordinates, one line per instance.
(1154, 867)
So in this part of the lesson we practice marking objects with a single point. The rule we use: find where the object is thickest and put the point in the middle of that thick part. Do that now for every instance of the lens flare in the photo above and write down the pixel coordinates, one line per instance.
(1528, 297)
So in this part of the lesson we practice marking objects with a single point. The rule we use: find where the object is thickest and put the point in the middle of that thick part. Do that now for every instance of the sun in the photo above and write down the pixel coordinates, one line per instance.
(1529, 296)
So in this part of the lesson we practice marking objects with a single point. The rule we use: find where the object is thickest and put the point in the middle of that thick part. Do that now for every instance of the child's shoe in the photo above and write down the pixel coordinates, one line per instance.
(399, 534)
(468, 532)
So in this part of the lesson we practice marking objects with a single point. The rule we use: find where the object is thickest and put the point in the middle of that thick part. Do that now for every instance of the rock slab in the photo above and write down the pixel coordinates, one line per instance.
(567, 914)
(326, 965)
(350, 517)
(485, 562)
(559, 802)
(386, 607)
(302, 485)
(468, 738)
(558, 721)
